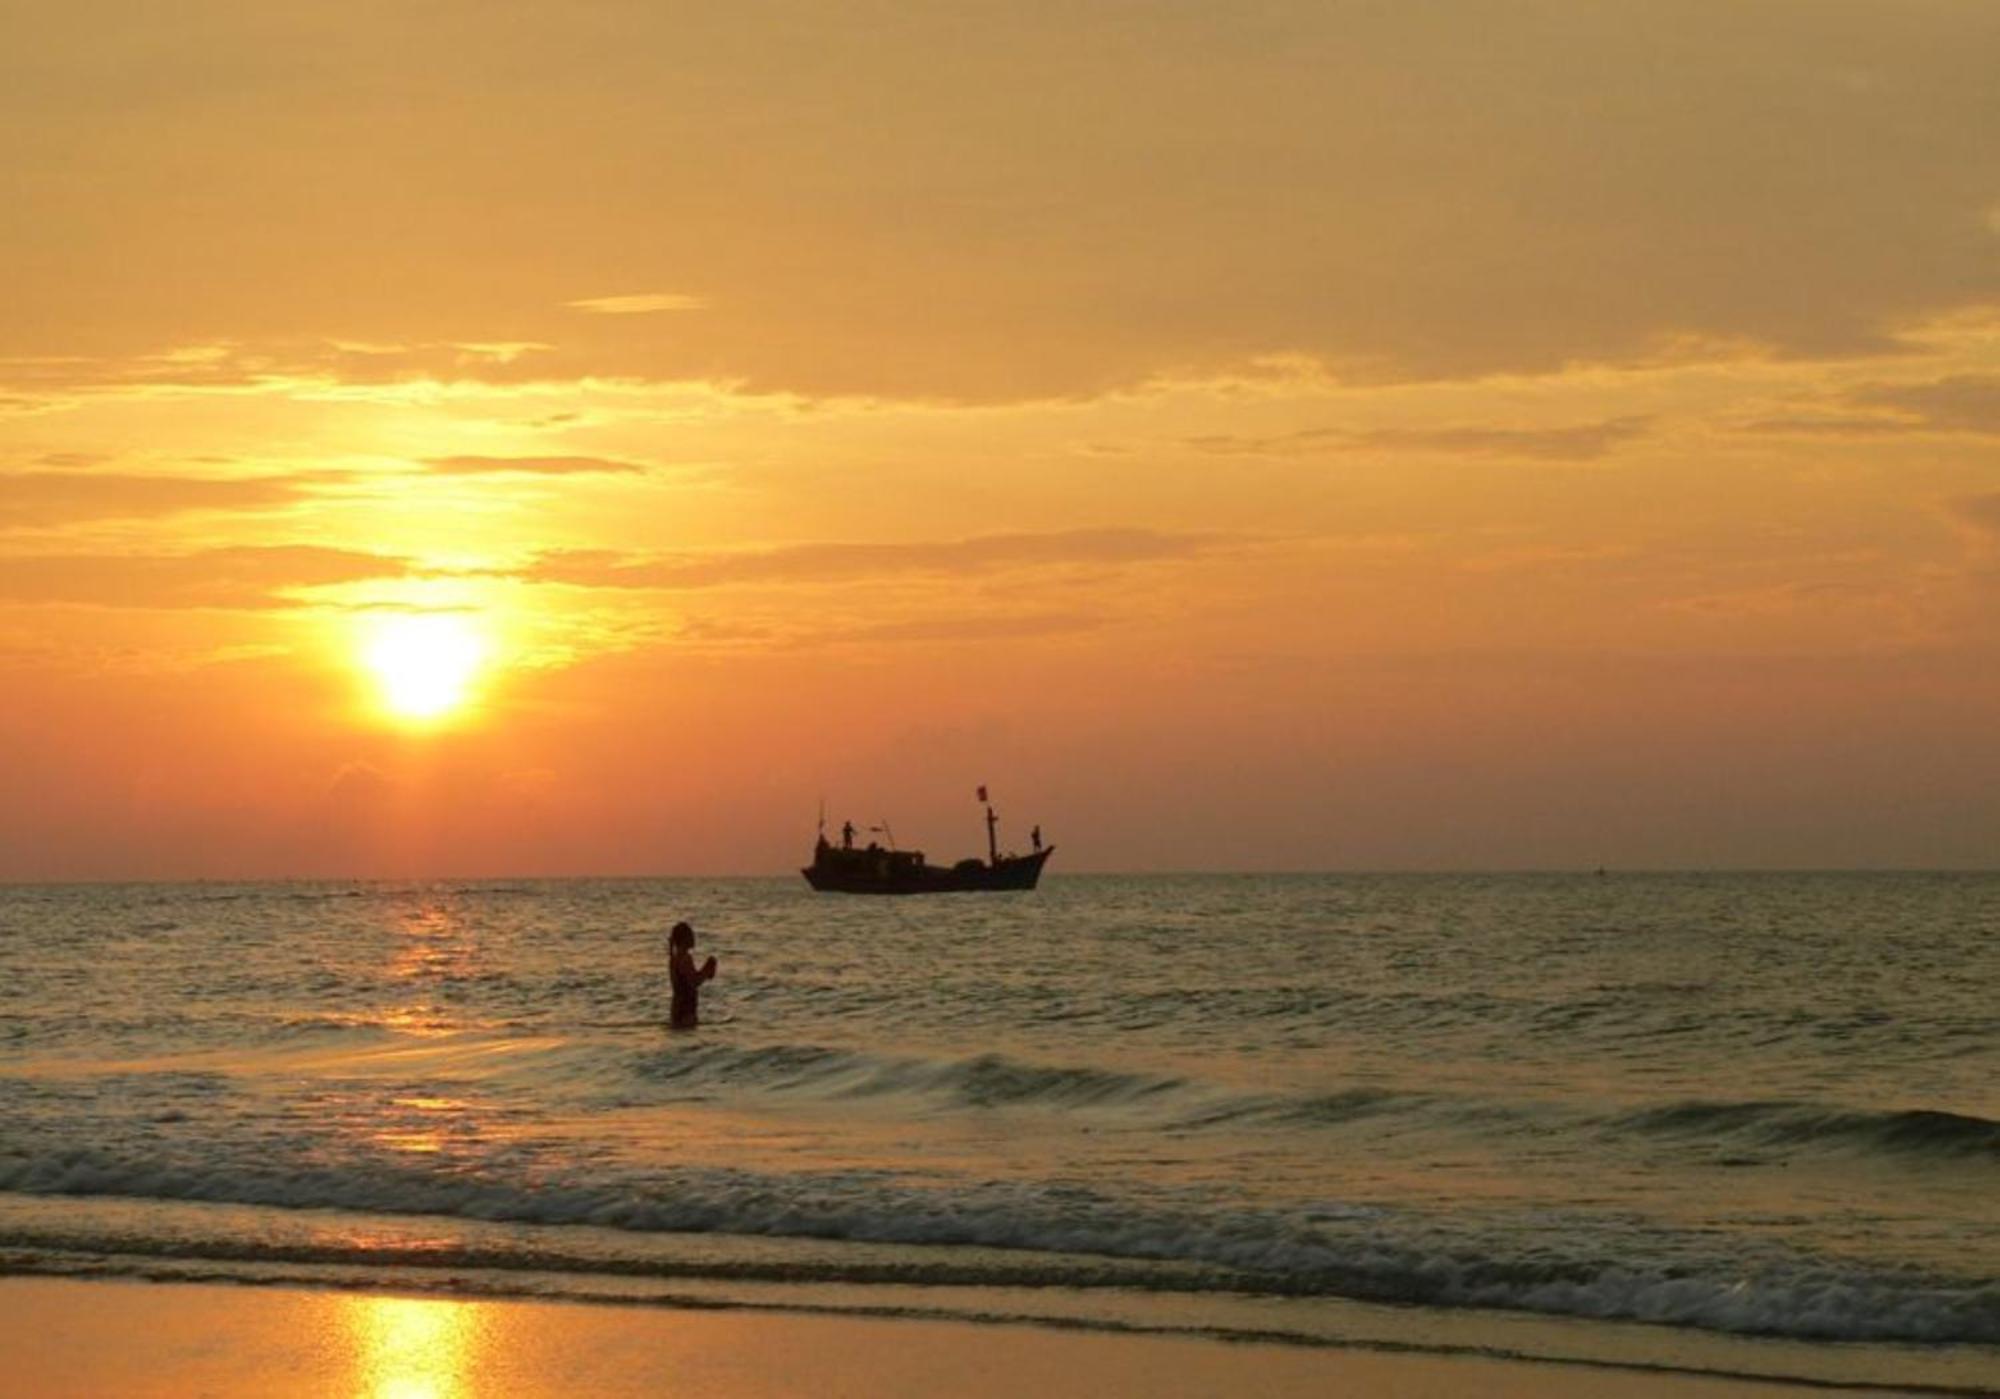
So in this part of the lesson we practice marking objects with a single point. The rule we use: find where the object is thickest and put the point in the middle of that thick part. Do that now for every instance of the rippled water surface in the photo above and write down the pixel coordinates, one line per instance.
(1749, 1104)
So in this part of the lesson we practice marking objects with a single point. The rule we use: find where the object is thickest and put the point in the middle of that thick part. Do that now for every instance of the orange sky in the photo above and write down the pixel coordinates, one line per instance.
(1327, 435)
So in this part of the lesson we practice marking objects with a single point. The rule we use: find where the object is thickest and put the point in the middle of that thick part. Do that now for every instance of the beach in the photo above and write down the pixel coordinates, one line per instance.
(67, 1337)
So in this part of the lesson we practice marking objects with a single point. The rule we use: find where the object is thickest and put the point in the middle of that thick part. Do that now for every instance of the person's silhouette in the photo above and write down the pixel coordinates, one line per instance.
(686, 977)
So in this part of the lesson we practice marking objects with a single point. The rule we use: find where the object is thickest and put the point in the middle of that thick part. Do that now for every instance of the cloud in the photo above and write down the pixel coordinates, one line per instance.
(1406, 190)
(1982, 512)
(946, 629)
(359, 784)
(834, 562)
(1956, 403)
(1829, 425)
(1581, 559)
(528, 466)
(1781, 599)
(247, 578)
(501, 351)
(62, 497)
(639, 303)
(931, 630)
(1580, 442)
(285, 364)
(1961, 403)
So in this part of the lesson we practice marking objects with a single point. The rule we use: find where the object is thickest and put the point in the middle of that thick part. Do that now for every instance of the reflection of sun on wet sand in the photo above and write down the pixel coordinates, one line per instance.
(405, 1348)
(133, 1339)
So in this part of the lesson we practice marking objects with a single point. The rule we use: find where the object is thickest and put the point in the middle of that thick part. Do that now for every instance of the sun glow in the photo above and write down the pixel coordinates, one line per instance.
(424, 664)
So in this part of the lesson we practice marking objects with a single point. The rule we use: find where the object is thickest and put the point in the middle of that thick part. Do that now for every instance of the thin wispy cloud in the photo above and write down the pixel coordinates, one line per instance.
(936, 630)
(66, 497)
(246, 578)
(835, 562)
(1980, 511)
(1829, 425)
(530, 466)
(1574, 442)
(639, 303)
(1959, 403)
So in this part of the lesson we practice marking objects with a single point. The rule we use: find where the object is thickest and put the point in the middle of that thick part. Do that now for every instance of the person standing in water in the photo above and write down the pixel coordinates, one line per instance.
(686, 977)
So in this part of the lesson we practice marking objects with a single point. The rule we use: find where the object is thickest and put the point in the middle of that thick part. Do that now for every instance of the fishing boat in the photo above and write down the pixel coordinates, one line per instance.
(879, 868)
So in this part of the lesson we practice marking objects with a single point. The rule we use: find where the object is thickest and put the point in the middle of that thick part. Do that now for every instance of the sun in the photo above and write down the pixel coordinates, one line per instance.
(423, 663)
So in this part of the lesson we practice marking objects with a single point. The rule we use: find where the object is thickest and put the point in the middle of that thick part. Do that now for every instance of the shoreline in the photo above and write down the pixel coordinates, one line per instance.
(101, 1239)
(71, 1335)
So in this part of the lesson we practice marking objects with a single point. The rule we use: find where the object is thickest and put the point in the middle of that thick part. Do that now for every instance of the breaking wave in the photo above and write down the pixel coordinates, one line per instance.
(1916, 1132)
(1064, 1236)
(996, 1081)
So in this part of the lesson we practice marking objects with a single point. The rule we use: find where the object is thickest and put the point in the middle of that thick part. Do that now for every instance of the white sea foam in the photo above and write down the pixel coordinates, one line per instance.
(1285, 1253)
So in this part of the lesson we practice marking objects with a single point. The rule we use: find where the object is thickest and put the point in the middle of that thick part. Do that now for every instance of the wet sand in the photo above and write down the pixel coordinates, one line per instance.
(72, 1337)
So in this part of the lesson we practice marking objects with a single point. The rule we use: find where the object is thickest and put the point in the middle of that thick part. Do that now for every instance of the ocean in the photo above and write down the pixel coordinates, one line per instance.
(1741, 1123)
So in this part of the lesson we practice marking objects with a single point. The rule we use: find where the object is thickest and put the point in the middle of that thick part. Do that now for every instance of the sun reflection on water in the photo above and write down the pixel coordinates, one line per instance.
(426, 1125)
(436, 948)
(411, 1349)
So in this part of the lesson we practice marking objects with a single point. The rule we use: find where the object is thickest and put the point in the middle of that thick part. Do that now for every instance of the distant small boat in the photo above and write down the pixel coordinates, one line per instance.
(877, 869)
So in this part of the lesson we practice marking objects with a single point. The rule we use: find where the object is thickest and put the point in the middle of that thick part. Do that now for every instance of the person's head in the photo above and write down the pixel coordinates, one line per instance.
(681, 936)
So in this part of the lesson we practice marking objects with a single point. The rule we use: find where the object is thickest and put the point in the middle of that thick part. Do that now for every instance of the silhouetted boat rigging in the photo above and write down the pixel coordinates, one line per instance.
(883, 869)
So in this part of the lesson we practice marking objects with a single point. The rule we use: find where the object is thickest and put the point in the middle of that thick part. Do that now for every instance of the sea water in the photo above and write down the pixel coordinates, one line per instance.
(1731, 1105)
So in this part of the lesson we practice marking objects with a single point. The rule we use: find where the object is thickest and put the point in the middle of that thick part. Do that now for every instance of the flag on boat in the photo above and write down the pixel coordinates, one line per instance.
(982, 792)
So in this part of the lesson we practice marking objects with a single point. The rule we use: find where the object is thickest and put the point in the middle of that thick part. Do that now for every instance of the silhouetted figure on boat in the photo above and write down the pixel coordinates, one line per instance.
(847, 835)
(686, 977)
(1036, 836)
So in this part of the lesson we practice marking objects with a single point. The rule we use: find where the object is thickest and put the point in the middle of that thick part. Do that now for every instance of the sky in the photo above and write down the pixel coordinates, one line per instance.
(1337, 435)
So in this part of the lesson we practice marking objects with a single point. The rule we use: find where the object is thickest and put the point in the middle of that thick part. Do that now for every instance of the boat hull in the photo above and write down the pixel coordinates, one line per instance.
(859, 875)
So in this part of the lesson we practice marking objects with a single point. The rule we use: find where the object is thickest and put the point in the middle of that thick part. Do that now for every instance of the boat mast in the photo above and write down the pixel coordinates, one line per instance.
(992, 827)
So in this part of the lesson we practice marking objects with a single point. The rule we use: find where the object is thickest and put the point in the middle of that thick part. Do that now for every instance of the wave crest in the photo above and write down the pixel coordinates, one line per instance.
(1918, 1131)
(1067, 1236)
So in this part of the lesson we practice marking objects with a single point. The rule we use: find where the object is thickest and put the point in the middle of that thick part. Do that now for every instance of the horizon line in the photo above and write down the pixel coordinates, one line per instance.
(1414, 871)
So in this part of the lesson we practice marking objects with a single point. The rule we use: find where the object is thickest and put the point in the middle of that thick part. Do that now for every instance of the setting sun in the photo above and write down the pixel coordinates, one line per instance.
(423, 665)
